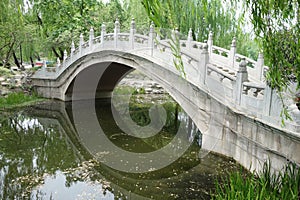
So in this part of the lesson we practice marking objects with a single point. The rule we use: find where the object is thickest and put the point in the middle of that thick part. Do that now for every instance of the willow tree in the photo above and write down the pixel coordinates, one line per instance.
(277, 24)
(60, 22)
(12, 29)
(202, 16)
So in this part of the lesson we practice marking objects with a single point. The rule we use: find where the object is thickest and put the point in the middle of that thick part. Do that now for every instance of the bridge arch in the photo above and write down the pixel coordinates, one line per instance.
(246, 108)
(106, 69)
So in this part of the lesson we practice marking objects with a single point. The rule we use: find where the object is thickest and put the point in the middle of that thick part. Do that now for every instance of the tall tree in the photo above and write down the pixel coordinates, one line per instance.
(202, 16)
(277, 24)
(11, 29)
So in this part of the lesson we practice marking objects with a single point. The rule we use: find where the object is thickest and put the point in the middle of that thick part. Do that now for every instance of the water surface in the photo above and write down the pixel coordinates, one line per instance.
(43, 157)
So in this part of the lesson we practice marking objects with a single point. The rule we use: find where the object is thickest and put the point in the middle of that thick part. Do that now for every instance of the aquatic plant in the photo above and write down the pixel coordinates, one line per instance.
(264, 185)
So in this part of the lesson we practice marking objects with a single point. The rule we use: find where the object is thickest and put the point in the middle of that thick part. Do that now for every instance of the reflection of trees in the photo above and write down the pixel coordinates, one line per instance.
(175, 116)
(29, 154)
(151, 184)
(28, 150)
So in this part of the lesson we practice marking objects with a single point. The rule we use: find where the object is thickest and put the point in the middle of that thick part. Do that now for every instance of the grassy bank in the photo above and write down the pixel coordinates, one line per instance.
(264, 185)
(18, 99)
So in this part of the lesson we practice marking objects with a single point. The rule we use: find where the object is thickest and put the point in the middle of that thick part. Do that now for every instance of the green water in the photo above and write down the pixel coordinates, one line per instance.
(43, 157)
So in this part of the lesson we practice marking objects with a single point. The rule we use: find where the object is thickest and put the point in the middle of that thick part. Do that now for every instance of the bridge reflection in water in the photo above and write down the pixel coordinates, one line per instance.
(224, 93)
(54, 162)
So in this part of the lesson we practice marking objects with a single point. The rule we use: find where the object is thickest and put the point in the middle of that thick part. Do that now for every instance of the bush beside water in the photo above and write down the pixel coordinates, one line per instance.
(17, 99)
(264, 185)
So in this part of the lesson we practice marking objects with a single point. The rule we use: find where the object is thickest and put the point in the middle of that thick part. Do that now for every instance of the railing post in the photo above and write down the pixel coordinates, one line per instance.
(72, 49)
(65, 55)
(241, 77)
(103, 32)
(210, 43)
(81, 42)
(58, 63)
(202, 65)
(268, 97)
(175, 36)
(116, 32)
(91, 38)
(158, 35)
(132, 32)
(260, 66)
(44, 67)
(232, 52)
(151, 38)
(190, 39)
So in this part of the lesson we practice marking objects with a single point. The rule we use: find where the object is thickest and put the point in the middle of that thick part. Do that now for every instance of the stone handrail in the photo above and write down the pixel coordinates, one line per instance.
(206, 66)
(220, 51)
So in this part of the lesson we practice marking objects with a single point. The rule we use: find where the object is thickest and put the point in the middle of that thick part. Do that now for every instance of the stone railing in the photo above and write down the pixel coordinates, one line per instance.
(226, 74)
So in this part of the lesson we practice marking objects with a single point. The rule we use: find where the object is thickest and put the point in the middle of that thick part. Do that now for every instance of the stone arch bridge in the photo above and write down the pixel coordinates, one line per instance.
(224, 92)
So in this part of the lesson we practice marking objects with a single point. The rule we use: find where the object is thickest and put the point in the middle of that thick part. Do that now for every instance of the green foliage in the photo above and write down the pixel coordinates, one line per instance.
(265, 185)
(45, 28)
(135, 9)
(28, 151)
(17, 99)
(11, 28)
(203, 16)
(5, 72)
(276, 23)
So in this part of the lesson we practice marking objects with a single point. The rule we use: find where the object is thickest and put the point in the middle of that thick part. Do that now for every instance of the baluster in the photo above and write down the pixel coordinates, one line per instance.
(210, 43)
(91, 38)
(103, 32)
(202, 65)
(268, 98)
(44, 67)
(260, 66)
(72, 48)
(190, 39)
(151, 38)
(132, 32)
(81, 42)
(65, 55)
(242, 76)
(116, 32)
(232, 52)
(58, 63)
(175, 36)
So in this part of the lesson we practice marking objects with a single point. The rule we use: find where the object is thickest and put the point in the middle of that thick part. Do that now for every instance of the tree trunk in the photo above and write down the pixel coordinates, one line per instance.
(21, 57)
(61, 54)
(31, 60)
(8, 54)
(16, 60)
(57, 54)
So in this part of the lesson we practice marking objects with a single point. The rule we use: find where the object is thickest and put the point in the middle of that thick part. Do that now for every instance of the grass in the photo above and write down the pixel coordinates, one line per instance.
(265, 185)
(18, 99)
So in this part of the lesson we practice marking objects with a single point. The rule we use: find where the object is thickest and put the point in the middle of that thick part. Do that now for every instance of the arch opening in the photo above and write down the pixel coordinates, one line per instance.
(108, 76)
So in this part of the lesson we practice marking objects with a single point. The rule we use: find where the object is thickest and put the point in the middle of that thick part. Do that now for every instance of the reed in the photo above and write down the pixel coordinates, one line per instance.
(264, 185)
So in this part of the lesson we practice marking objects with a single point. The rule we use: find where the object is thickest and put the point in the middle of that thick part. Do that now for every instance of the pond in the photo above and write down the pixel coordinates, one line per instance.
(47, 152)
